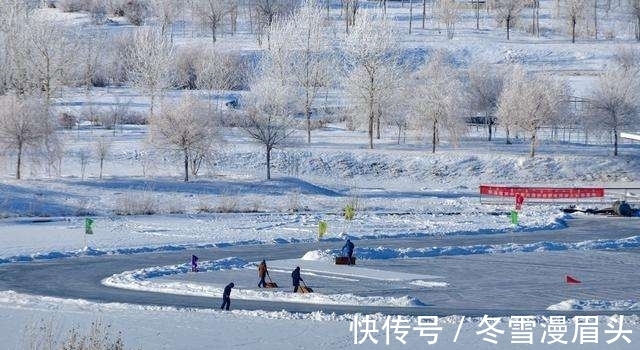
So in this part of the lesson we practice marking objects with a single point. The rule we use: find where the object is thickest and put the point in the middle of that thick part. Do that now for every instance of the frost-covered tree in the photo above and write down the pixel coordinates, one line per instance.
(635, 14)
(448, 11)
(185, 128)
(166, 12)
(507, 12)
(211, 13)
(150, 56)
(349, 11)
(532, 101)
(372, 65)
(269, 115)
(614, 102)
(50, 54)
(484, 87)
(302, 51)
(266, 11)
(24, 125)
(102, 148)
(13, 17)
(575, 10)
(438, 100)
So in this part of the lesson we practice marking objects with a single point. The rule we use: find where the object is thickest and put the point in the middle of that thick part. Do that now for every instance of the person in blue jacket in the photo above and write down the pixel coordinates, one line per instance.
(295, 276)
(226, 296)
(348, 249)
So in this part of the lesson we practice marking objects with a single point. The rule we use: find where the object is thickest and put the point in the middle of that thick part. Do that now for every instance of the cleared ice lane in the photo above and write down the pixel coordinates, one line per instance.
(499, 295)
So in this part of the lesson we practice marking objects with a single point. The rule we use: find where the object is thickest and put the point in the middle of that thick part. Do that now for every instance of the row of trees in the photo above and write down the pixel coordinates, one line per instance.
(303, 60)
(213, 15)
(437, 97)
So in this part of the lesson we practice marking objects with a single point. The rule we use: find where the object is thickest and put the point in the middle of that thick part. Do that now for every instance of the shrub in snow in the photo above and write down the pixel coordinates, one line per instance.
(67, 121)
(46, 335)
(227, 204)
(98, 11)
(136, 203)
(136, 11)
(71, 5)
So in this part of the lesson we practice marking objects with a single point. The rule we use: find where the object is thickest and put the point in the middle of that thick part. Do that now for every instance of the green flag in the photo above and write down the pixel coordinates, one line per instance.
(87, 226)
(322, 228)
(514, 217)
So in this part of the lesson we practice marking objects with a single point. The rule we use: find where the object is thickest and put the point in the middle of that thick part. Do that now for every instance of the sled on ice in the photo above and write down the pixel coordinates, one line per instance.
(344, 260)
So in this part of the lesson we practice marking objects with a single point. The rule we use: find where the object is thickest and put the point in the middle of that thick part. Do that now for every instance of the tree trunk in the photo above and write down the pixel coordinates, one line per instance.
(307, 112)
(615, 142)
(573, 30)
(434, 134)
(477, 14)
(410, 15)
(595, 18)
(371, 112)
(489, 122)
(424, 12)
(19, 160)
(152, 99)
(101, 163)
(186, 165)
(508, 26)
(268, 163)
(379, 116)
(532, 152)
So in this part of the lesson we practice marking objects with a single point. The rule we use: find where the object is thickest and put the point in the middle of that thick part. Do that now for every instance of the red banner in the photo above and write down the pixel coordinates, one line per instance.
(541, 192)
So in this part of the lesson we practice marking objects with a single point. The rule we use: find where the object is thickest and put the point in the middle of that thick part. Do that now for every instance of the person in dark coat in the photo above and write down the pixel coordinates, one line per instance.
(226, 296)
(262, 273)
(348, 249)
(194, 263)
(295, 276)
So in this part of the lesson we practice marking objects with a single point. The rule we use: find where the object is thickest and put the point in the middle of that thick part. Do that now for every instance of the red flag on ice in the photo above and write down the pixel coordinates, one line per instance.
(572, 280)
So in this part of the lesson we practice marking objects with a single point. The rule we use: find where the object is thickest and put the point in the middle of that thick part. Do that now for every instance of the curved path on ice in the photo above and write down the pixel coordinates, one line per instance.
(494, 284)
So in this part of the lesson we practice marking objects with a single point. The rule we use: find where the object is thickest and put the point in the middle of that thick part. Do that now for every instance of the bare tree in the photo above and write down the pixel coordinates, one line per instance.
(575, 12)
(184, 128)
(50, 54)
(166, 11)
(303, 53)
(102, 148)
(84, 155)
(535, 17)
(635, 12)
(614, 101)
(448, 12)
(220, 70)
(24, 125)
(211, 14)
(350, 9)
(531, 102)
(269, 116)
(266, 12)
(483, 91)
(371, 54)
(150, 57)
(507, 12)
(438, 100)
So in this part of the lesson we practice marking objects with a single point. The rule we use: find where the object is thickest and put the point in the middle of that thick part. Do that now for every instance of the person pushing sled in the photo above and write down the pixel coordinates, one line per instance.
(347, 254)
(297, 288)
(262, 273)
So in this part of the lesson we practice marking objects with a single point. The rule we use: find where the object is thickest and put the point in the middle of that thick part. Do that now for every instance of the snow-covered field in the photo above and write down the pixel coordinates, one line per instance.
(474, 259)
